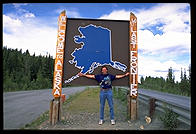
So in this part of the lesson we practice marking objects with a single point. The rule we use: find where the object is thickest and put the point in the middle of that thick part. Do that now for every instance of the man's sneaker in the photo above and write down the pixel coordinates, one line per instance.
(113, 122)
(100, 122)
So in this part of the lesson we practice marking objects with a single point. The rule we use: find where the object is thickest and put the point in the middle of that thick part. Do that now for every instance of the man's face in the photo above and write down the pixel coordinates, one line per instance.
(104, 70)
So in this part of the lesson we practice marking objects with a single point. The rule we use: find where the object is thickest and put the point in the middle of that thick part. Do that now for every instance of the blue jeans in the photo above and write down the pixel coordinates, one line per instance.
(109, 96)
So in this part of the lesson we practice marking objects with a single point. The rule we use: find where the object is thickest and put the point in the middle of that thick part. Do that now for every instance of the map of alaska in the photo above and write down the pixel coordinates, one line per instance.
(95, 50)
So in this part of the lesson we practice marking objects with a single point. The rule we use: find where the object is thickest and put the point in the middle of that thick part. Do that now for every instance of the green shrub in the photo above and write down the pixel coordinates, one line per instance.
(169, 119)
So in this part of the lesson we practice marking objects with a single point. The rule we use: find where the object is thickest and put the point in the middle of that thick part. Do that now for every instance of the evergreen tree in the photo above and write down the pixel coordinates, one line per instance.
(181, 75)
(21, 71)
(184, 84)
(169, 85)
(189, 78)
(170, 78)
(142, 80)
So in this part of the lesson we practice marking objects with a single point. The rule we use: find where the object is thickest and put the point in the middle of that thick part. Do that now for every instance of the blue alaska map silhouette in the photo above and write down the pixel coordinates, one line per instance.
(95, 51)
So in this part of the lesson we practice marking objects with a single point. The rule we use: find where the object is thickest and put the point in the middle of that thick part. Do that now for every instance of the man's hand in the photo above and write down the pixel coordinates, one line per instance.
(121, 76)
(81, 74)
(127, 74)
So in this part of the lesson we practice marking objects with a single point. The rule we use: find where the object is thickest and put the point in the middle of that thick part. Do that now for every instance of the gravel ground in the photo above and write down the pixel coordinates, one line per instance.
(88, 119)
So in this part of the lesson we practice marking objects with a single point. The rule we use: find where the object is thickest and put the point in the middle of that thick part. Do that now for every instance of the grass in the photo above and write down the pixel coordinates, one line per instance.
(38, 121)
(86, 101)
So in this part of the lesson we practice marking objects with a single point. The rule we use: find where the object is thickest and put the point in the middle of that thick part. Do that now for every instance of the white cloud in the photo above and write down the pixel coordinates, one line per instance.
(172, 14)
(21, 12)
(17, 5)
(25, 34)
(151, 67)
(11, 25)
(150, 43)
(29, 15)
(173, 20)
(117, 15)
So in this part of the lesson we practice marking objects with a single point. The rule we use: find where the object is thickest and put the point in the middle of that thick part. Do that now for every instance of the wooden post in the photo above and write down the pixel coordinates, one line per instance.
(60, 109)
(50, 111)
(133, 109)
(55, 111)
(133, 66)
(152, 107)
(128, 105)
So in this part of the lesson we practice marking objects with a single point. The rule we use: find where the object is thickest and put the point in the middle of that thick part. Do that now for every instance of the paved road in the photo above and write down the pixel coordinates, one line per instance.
(181, 101)
(178, 100)
(22, 107)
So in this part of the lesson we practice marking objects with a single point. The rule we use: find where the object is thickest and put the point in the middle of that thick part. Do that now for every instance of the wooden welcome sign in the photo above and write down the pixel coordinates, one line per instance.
(59, 60)
(90, 44)
(133, 56)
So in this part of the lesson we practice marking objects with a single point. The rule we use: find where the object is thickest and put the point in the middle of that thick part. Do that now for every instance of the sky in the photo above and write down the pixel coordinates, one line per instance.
(164, 30)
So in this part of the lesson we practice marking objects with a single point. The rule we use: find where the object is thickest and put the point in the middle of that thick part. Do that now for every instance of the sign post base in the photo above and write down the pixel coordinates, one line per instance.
(55, 111)
(133, 108)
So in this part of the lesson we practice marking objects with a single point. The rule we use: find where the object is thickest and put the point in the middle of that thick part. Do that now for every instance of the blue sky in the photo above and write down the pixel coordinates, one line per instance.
(164, 35)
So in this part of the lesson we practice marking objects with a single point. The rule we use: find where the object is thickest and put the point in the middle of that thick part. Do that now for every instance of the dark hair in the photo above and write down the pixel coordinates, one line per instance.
(104, 67)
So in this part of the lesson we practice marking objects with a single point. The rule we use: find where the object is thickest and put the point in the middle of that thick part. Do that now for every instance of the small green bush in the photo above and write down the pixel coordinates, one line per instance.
(169, 119)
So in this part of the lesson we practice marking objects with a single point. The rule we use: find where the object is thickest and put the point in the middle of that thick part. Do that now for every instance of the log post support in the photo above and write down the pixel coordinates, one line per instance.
(55, 104)
(54, 115)
(152, 107)
(133, 46)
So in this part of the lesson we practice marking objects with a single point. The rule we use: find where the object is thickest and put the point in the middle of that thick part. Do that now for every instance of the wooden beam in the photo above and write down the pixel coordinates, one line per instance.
(56, 105)
(50, 111)
(58, 66)
(133, 45)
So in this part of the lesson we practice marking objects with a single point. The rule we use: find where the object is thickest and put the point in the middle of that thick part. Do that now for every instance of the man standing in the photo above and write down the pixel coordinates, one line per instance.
(105, 81)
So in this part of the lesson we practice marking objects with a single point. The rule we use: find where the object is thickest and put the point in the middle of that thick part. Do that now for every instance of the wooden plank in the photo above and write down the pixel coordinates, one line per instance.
(50, 112)
(128, 106)
(59, 60)
(133, 77)
(55, 112)
(133, 56)
(152, 107)
(60, 109)
(55, 107)
(133, 109)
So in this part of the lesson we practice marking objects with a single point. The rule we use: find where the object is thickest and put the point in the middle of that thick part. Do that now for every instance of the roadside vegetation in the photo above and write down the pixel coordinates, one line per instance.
(169, 119)
(22, 71)
(169, 85)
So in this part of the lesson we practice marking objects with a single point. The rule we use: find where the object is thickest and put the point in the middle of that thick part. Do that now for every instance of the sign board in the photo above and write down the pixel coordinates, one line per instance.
(133, 56)
(92, 43)
(58, 66)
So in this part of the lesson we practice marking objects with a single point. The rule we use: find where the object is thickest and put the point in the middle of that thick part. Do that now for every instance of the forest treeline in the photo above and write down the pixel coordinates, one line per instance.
(169, 85)
(22, 71)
